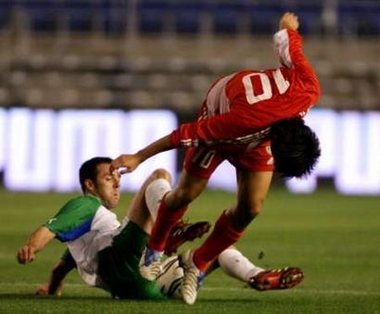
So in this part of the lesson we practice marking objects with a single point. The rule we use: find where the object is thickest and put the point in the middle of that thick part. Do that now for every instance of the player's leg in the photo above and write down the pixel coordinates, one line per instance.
(234, 264)
(252, 190)
(119, 265)
(199, 164)
(238, 266)
(138, 211)
(182, 231)
(173, 207)
(167, 217)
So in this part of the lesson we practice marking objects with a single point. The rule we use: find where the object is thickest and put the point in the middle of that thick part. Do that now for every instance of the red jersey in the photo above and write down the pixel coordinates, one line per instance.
(240, 108)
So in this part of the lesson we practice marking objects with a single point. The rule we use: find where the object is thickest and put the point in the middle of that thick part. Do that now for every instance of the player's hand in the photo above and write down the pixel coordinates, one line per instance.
(289, 21)
(25, 255)
(125, 163)
(44, 290)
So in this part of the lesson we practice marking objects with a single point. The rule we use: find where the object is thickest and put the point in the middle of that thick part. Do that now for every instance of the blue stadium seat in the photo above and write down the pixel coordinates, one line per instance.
(310, 16)
(42, 14)
(188, 15)
(5, 13)
(264, 18)
(359, 17)
(226, 17)
(152, 15)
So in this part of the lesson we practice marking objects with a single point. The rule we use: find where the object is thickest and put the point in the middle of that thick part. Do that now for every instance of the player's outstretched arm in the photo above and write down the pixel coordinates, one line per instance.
(36, 242)
(289, 21)
(127, 163)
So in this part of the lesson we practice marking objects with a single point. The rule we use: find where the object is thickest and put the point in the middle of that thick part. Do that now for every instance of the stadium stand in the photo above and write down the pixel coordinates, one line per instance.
(166, 53)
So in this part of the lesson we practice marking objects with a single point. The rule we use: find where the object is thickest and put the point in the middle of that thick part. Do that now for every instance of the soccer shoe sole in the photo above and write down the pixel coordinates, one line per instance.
(186, 233)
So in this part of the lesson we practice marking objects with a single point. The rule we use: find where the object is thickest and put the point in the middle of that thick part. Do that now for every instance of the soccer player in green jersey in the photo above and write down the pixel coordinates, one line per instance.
(106, 252)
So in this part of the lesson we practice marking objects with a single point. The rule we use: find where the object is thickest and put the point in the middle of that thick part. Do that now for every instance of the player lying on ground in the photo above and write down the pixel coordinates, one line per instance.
(106, 253)
(231, 261)
(252, 119)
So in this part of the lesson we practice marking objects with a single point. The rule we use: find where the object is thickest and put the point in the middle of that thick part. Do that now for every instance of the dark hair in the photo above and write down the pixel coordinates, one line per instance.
(89, 170)
(295, 148)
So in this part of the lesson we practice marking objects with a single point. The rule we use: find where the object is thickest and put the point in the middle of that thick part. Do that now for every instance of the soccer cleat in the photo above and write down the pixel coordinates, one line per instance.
(150, 264)
(170, 280)
(192, 279)
(183, 232)
(277, 279)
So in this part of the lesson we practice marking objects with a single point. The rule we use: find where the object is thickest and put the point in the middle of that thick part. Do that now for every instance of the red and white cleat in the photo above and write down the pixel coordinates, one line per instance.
(277, 279)
(184, 232)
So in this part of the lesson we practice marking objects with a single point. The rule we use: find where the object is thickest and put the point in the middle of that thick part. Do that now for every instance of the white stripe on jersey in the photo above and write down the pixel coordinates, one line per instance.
(217, 101)
(281, 47)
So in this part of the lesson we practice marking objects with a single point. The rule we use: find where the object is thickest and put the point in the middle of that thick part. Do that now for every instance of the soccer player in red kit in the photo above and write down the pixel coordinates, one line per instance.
(253, 119)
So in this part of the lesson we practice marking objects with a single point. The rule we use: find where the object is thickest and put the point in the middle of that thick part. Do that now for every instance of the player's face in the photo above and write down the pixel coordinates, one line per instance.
(107, 186)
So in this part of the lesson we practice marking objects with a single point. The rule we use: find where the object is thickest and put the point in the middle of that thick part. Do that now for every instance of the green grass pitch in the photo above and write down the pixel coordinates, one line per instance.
(335, 239)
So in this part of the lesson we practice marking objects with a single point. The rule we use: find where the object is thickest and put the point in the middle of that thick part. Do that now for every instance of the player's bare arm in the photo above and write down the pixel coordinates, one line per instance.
(127, 163)
(36, 243)
(58, 274)
(289, 21)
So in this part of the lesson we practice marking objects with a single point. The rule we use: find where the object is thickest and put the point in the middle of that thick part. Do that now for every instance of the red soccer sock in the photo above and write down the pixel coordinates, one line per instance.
(166, 219)
(221, 238)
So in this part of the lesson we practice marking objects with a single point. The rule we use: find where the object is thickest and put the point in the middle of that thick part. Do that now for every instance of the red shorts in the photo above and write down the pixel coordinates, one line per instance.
(202, 161)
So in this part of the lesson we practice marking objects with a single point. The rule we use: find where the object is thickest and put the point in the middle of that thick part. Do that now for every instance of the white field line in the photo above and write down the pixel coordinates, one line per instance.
(208, 288)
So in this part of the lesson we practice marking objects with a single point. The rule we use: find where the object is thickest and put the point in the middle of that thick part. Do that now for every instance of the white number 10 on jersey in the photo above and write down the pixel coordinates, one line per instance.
(281, 83)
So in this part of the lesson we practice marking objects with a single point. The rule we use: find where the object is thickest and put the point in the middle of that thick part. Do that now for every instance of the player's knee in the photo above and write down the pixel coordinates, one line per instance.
(256, 207)
(185, 196)
(254, 211)
(248, 212)
(241, 217)
(161, 173)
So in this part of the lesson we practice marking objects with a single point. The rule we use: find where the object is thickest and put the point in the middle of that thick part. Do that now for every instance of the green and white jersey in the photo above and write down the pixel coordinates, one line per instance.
(87, 227)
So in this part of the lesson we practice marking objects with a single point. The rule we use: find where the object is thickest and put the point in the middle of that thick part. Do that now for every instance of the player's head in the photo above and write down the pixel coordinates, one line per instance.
(89, 170)
(96, 179)
(295, 148)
